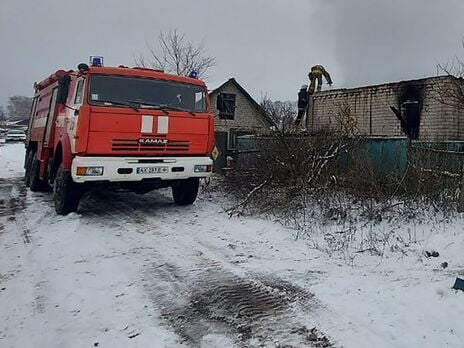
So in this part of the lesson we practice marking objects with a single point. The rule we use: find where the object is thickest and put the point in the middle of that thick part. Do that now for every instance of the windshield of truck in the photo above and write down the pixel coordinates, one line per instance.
(122, 91)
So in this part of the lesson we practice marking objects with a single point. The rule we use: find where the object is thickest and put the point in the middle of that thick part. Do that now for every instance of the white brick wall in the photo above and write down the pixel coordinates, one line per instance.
(371, 106)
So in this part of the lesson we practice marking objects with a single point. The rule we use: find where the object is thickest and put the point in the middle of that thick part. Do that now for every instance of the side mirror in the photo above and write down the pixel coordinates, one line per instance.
(63, 89)
(220, 103)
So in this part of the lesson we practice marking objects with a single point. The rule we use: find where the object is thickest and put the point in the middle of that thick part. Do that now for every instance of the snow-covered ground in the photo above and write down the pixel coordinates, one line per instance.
(138, 271)
(11, 160)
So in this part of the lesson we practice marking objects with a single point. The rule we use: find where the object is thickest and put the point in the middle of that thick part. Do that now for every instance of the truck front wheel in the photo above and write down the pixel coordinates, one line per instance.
(66, 194)
(185, 192)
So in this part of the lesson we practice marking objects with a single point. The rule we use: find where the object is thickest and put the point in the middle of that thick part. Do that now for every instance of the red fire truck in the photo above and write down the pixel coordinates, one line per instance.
(134, 129)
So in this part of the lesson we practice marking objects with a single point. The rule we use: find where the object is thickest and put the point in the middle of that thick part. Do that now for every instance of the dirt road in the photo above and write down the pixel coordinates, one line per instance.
(131, 270)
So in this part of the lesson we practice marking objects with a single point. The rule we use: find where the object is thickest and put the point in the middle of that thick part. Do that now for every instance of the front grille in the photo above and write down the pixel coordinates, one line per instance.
(134, 145)
(125, 145)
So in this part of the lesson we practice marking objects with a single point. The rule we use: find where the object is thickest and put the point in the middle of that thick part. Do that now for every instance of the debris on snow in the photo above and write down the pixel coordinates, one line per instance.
(431, 253)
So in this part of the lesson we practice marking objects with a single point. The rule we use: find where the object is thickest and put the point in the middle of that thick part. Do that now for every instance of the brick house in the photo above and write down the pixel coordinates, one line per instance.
(417, 101)
(244, 115)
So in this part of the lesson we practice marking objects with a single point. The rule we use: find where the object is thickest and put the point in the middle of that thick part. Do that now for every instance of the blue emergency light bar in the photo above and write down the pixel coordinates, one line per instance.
(193, 74)
(96, 61)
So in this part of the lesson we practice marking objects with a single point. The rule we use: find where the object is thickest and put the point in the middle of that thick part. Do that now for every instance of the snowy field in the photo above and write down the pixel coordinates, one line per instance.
(138, 271)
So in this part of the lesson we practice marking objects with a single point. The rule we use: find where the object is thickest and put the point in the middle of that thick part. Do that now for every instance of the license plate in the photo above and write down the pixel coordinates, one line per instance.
(151, 170)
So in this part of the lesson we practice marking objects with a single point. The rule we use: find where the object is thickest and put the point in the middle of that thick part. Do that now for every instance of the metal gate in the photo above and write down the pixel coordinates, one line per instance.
(221, 144)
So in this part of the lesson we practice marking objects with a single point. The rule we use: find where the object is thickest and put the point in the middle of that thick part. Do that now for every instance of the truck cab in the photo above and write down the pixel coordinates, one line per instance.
(126, 128)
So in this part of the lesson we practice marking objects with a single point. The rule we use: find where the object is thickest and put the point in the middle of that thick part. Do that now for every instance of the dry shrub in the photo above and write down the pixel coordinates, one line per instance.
(288, 169)
(325, 186)
(330, 174)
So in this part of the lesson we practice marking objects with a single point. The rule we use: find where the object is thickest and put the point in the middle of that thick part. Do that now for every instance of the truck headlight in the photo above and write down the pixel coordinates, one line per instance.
(89, 171)
(202, 168)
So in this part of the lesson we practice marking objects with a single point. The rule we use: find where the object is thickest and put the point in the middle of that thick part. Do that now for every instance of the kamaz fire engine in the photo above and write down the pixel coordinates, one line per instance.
(133, 129)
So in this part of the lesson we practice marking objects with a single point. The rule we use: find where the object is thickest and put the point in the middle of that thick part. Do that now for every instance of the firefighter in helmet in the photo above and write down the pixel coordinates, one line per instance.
(303, 99)
(316, 73)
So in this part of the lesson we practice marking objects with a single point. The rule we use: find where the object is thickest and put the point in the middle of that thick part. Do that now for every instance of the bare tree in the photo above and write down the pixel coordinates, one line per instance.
(175, 54)
(2, 115)
(19, 107)
(453, 94)
(282, 113)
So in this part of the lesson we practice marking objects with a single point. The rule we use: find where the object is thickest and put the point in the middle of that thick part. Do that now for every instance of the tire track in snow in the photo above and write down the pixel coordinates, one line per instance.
(124, 210)
(39, 300)
(207, 298)
(14, 205)
(253, 310)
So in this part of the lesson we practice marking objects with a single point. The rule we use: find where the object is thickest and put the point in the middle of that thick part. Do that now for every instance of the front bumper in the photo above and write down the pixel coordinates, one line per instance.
(115, 169)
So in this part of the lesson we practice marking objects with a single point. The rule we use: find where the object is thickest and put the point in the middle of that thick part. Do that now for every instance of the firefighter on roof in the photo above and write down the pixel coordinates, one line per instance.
(317, 71)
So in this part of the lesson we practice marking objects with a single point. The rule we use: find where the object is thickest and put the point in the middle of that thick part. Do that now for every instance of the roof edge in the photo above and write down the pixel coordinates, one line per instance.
(248, 96)
(354, 89)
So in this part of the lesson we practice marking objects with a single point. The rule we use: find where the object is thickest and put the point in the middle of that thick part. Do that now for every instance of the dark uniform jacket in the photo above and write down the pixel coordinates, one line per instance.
(302, 98)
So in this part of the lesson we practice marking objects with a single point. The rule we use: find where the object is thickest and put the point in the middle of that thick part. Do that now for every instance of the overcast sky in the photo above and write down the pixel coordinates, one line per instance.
(267, 45)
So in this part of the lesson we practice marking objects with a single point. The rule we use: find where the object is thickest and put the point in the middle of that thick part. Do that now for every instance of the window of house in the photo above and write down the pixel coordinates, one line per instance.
(229, 106)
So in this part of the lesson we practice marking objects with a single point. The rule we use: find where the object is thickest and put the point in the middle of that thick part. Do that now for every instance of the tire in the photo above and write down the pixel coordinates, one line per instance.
(27, 167)
(35, 183)
(185, 192)
(66, 193)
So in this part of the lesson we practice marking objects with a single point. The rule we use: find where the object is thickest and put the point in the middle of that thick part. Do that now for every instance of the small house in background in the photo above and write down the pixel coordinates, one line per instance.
(242, 115)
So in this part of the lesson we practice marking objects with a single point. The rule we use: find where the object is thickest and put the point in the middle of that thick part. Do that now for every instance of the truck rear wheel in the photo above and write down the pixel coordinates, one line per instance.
(66, 194)
(185, 192)
(27, 167)
(35, 183)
